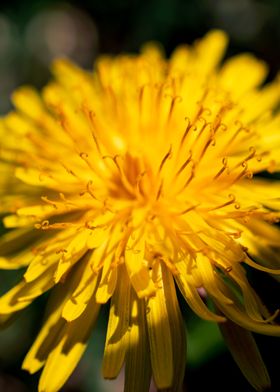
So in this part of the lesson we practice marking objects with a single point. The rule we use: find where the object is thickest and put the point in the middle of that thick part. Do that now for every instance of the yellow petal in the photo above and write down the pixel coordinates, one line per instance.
(250, 298)
(13, 263)
(178, 332)
(27, 100)
(137, 362)
(47, 337)
(17, 123)
(117, 329)
(246, 354)
(259, 267)
(138, 271)
(12, 221)
(18, 247)
(14, 240)
(210, 49)
(53, 321)
(39, 264)
(72, 342)
(23, 294)
(192, 297)
(242, 73)
(239, 316)
(84, 288)
(160, 338)
(74, 252)
(96, 238)
(108, 282)
(208, 277)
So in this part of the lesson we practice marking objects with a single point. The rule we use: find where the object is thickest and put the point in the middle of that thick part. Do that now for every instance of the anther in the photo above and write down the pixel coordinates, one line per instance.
(222, 127)
(249, 174)
(206, 111)
(62, 250)
(90, 226)
(44, 174)
(43, 225)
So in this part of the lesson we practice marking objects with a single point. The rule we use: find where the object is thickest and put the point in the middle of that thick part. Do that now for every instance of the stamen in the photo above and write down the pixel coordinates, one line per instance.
(45, 225)
(139, 178)
(237, 132)
(159, 192)
(62, 250)
(89, 190)
(272, 166)
(235, 235)
(240, 175)
(90, 115)
(188, 127)
(66, 127)
(231, 201)
(206, 111)
(175, 99)
(225, 166)
(222, 127)
(46, 200)
(185, 164)
(43, 174)
(249, 174)
(191, 208)
(89, 226)
(70, 171)
(85, 157)
(65, 201)
(211, 141)
(191, 175)
(168, 155)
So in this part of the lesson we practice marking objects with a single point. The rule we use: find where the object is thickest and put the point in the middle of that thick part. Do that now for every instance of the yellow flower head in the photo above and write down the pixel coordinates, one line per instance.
(117, 184)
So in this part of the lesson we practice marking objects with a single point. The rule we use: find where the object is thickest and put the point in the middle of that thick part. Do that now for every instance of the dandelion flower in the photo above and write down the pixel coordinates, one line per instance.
(122, 184)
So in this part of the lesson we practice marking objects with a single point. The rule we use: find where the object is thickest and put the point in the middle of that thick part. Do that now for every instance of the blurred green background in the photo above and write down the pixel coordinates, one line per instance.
(34, 32)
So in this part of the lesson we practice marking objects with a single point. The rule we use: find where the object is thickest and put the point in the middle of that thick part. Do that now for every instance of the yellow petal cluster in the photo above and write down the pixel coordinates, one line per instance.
(121, 184)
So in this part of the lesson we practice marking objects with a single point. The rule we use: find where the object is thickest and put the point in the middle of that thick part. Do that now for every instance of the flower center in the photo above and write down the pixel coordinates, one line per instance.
(132, 178)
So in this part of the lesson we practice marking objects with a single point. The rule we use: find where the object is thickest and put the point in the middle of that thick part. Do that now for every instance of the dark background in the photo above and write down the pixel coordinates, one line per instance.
(34, 32)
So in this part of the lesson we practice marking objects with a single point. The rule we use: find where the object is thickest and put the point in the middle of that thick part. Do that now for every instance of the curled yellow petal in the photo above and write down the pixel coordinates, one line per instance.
(246, 354)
